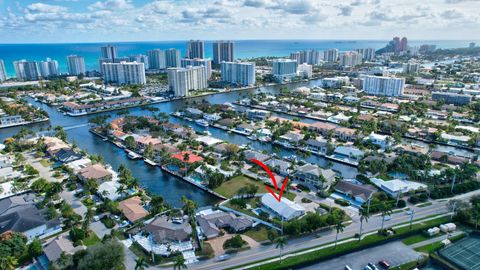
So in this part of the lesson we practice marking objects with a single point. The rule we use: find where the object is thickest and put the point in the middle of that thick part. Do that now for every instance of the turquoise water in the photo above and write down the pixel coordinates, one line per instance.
(243, 49)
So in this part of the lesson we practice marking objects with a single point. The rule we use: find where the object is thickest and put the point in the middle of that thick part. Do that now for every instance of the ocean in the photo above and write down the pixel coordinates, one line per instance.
(243, 49)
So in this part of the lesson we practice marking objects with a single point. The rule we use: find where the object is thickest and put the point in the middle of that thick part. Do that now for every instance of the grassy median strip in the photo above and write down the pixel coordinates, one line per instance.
(344, 248)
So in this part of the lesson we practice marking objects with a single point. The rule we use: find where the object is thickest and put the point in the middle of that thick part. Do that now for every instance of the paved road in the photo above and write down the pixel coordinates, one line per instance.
(265, 252)
(395, 253)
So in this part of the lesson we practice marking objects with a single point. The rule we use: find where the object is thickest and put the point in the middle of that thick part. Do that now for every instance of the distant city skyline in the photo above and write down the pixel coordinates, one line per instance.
(72, 21)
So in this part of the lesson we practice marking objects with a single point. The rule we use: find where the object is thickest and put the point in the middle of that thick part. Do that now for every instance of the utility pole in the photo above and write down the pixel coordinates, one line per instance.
(368, 207)
(453, 182)
(411, 218)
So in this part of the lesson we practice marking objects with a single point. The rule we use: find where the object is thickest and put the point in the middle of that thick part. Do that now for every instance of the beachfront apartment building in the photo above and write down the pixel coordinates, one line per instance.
(195, 49)
(182, 80)
(383, 86)
(124, 73)
(311, 57)
(284, 69)
(330, 55)
(26, 70)
(223, 50)
(48, 68)
(239, 73)
(172, 58)
(3, 73)
(156, 59)
(76, 65)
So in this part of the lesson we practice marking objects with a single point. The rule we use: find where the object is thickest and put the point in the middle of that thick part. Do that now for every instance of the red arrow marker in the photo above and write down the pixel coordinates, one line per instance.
(284, 185)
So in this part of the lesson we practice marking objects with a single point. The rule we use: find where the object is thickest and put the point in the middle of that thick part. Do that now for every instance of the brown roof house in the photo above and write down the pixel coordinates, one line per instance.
(360, 193)
(96, 172)
(165, 231)
(132, 208)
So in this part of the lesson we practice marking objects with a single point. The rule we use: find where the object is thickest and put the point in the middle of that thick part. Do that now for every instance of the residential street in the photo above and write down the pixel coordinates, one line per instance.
(374, 223)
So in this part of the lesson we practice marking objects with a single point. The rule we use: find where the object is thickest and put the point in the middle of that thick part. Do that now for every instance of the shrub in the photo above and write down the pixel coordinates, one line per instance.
(108, 222)
(342, 202)
(77, 234)
(234, 242)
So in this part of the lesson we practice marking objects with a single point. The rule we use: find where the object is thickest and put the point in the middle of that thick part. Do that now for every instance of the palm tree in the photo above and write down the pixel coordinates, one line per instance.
(140, 264)
(364, 215)
(8, 263)
(87, 219)
(281, 241)
(339, 228)
(180, 263)
(386, 211)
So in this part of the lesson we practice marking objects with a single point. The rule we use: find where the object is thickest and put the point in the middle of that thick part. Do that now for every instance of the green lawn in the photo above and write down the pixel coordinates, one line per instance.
(46, 163)
(253, 202)
(230, 188)
(91, 240)
(290, 195)
(430, 248)
(415, 239)
(258, 234)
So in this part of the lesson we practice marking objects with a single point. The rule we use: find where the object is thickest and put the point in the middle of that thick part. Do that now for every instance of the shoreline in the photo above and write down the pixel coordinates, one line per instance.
(345, 162)
(25, 123)
(468, 148)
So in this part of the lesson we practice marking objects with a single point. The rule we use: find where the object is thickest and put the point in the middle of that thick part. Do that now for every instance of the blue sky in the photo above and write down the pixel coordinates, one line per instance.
(27, 21)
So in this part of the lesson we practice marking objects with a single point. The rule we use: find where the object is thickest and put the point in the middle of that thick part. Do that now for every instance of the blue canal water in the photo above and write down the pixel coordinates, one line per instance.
(152, 178)
(243, 49)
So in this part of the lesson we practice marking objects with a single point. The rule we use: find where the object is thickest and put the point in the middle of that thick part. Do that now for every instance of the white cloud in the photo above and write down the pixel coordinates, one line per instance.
(44, 8)
(111, 5)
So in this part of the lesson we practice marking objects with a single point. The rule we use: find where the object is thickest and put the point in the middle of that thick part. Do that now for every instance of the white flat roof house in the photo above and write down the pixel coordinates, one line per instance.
(283, 208)
(393, 187)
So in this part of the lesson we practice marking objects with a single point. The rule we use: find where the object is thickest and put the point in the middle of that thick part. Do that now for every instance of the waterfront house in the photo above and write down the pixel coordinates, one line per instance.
(144, 141)
(349, 152)
(346, 134)
(279, 166)
(291, 138)
(264, 132)
(245, 128)
(323, 128)
(314, 176)
(445, 157)
(455, 139)
(226, 123)
(339, 118)
(318, 145)
(79, 164)
(356, 191)
(251, 154)
(211, 222)
(193, 113)
(412, 149)
(20, 214)
(96, 172)
(187, 157)
(214, 117)
(11, 120)
(164, 231)
(383, 141)
(109, 189)
(255, 114)
(54, 145)
(66, 155)
(132, 209)
(285, 209)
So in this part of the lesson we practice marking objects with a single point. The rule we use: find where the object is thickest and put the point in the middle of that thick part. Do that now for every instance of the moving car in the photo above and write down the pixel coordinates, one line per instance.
(384, 264)
(347, 268)
(223, 257)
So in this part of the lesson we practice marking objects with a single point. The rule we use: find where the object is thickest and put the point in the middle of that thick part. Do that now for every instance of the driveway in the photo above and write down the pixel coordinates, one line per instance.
(44, 172)
(395, 253)
(99, 229)
(217, 243)
(75, 202)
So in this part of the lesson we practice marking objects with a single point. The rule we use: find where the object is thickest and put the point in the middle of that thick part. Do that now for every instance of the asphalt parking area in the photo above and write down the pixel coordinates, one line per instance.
(395, 253)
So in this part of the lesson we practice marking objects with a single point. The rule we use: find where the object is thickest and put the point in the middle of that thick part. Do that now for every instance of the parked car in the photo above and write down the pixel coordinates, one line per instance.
(372, 266)
(409, 212)
(347, 268)
(387, 218)
(223, 257)
(384, 264)
(367, 268)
